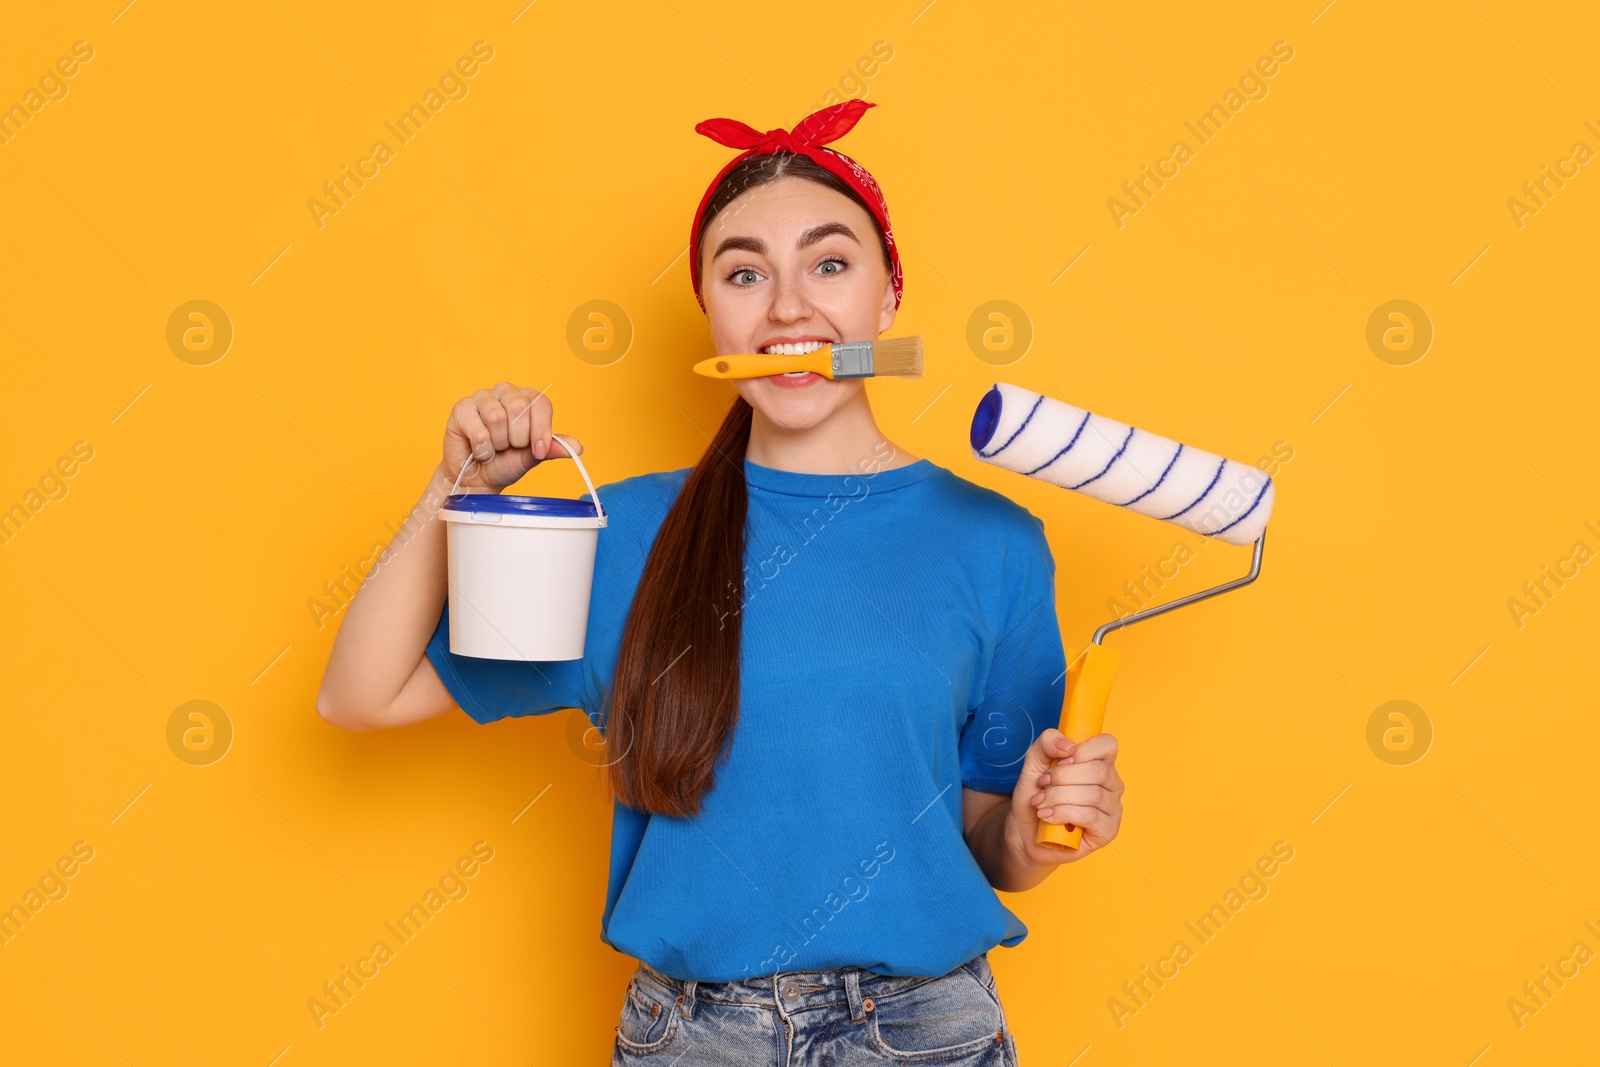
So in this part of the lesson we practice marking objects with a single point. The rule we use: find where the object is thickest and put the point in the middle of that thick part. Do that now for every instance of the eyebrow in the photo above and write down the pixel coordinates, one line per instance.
(807, 239)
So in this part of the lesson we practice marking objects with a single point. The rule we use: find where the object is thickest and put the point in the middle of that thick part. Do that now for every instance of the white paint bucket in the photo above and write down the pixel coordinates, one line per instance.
(521, 569)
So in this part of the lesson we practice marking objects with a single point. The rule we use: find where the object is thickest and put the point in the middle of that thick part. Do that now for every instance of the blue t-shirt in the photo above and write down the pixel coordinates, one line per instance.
(899, 642)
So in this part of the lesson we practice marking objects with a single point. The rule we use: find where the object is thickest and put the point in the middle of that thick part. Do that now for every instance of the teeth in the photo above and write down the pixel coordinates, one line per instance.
(793, 350)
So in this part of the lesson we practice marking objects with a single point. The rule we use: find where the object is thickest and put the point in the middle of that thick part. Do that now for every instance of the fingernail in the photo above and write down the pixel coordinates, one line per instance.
(539, 448)
(1044, 813)
(1036, 798)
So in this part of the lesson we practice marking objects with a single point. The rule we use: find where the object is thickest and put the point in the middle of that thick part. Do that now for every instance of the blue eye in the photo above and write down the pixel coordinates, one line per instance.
(744, 277)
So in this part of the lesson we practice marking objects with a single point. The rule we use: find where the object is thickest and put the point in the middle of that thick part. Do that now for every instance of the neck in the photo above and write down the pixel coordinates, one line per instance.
(836, 445)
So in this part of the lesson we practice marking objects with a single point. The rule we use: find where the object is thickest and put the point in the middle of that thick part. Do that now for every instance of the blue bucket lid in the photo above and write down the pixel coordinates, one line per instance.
(498, 503)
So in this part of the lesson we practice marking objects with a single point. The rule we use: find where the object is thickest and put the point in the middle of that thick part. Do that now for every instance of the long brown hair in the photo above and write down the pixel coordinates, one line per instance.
(674, 700)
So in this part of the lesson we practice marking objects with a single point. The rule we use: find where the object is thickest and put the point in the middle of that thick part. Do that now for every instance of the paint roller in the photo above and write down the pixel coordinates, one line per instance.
(1112, 462)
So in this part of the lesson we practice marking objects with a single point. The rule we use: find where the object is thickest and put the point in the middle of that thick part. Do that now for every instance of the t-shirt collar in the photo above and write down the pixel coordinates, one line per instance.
(793, 483)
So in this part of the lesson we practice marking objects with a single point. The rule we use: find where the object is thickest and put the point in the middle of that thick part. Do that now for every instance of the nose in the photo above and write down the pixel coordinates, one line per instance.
(789, 301)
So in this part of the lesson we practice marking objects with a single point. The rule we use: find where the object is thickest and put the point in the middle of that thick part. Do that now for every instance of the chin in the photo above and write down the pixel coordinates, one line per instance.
(798, 409)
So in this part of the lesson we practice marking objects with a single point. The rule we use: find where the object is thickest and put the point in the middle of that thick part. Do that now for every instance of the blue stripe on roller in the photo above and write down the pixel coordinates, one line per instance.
(1018, 430)
(1075, 435)
(1109, 463)
(1259, 497)
(1202, 496)
(1170, 464)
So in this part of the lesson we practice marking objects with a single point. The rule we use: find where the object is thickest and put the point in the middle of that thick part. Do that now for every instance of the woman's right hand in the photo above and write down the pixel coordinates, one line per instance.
(506, 430)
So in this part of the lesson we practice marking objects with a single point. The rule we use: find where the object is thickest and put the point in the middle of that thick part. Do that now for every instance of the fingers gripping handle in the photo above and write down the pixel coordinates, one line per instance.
(572, 453)
(1090, 675)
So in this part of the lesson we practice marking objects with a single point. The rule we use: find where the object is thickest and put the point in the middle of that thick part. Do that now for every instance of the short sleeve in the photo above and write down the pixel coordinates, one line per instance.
(1026, 680)
(491, 689)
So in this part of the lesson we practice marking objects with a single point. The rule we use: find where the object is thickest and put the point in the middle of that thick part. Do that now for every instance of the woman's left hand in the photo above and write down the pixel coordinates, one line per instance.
(1083, 789)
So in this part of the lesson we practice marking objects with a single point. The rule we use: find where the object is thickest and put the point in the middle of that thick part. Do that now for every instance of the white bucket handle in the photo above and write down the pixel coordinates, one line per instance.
(571, 454)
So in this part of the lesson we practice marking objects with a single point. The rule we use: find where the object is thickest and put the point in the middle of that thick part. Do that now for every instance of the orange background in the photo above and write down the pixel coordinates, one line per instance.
(1230, 311)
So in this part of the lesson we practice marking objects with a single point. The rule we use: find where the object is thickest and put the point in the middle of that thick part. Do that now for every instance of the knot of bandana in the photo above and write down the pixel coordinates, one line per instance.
(807, 138)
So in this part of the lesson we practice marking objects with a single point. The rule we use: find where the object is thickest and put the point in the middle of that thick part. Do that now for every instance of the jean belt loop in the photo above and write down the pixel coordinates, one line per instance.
(852, 993)
(686, 999)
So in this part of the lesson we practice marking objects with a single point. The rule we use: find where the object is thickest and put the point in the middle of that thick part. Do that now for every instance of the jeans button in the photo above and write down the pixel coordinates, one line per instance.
(789, 991)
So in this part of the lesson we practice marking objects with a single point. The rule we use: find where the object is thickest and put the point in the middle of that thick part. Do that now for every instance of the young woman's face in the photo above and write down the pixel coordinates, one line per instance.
(791, 262)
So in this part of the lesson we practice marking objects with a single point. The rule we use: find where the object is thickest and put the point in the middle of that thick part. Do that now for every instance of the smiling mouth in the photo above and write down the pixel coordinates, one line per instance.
(798, 349)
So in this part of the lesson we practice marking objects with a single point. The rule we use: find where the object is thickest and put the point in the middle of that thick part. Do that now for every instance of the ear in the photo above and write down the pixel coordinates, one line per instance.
(887, 312)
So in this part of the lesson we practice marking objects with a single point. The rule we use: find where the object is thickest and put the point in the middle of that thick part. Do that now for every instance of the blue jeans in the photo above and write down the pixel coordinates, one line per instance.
(837, 1018)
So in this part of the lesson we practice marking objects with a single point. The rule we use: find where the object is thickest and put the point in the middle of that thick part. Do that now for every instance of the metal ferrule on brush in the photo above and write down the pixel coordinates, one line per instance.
(852, 359)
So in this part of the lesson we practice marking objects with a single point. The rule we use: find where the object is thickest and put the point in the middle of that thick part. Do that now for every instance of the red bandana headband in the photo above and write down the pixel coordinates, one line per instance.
(807, 139)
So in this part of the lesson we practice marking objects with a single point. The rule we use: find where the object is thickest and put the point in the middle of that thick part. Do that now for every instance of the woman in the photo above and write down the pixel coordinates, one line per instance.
(796, 649)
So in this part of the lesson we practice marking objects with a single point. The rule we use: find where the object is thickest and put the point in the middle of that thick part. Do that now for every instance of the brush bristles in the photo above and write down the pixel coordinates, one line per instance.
(897, 357)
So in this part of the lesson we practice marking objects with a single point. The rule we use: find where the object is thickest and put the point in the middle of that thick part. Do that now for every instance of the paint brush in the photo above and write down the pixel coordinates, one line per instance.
(892, 357)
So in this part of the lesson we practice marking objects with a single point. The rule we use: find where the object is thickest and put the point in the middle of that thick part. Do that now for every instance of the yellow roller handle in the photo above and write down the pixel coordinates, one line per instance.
(1089, 678)
(759, 365)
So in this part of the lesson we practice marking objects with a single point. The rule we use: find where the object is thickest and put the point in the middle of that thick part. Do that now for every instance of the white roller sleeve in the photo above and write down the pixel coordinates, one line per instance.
(1110, 461)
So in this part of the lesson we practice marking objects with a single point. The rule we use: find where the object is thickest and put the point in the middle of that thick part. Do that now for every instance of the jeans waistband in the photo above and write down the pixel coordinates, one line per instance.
(792, 991)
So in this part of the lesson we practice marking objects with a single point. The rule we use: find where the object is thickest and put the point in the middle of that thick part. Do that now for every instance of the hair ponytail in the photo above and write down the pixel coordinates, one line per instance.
(675, 697)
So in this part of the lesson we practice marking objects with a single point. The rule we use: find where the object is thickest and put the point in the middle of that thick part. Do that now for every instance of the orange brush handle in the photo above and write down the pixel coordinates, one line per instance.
(759, 365)
(1089, 680)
